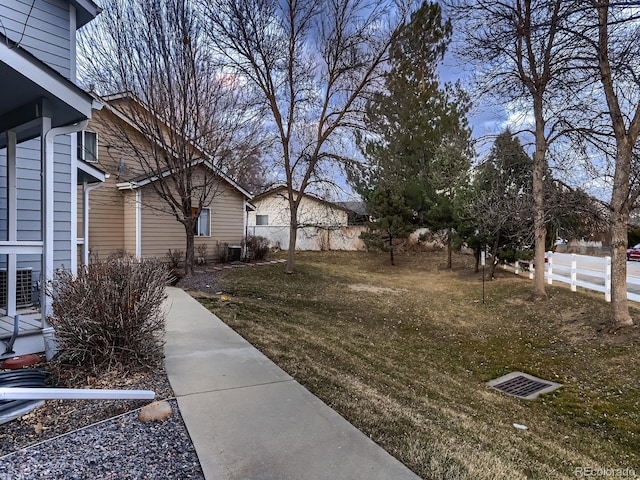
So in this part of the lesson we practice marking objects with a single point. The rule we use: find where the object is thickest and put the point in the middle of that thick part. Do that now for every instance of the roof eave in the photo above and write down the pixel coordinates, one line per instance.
(86, 11)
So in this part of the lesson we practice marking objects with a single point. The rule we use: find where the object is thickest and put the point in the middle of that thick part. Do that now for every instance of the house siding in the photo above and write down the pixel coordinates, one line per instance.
(161, 231)
(227, 220)
(29, 218)
(311, 212)
(62, 206)
(112, 212)
(47, 30)
(321, 226)
(129, 222)
(106, 227)
(29, 196)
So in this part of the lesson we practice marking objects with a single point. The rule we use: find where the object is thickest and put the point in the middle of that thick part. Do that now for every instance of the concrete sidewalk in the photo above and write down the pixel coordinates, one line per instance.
(248, 419)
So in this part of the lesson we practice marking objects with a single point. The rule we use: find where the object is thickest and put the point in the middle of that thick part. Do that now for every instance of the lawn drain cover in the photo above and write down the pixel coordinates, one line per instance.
(523, 385)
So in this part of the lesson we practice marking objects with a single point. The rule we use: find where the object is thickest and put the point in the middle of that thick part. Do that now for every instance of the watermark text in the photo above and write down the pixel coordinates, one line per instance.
(600, 472)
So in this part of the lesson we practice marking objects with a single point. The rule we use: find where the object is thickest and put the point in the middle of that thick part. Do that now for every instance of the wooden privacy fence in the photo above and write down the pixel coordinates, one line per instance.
(592, 273)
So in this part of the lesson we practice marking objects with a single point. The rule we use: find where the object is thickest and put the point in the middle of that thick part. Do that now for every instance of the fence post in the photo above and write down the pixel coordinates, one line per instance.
(573, 272)
(549, 267)
(607, 279)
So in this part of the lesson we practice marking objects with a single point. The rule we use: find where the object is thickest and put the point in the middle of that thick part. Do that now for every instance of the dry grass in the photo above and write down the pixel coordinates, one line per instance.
(404, 353)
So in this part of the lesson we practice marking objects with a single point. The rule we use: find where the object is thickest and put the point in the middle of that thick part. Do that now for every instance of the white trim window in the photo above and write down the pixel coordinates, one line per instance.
(203, 223)
(262, 219)
(88, 146)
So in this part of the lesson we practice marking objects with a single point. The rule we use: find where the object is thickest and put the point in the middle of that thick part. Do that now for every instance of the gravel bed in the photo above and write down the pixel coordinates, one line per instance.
(119, 448)
(202, 281)
(208, 279)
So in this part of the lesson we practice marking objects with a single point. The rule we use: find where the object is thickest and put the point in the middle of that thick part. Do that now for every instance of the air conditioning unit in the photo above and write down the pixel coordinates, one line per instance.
(24, 288)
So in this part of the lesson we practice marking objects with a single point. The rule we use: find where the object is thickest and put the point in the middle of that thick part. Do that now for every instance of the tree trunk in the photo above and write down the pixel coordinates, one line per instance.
(621, 200)
(449, 261)
(293, 236)
(393, 263)
(540, 231)
(189, 255)
(494, 258)
(620, 316)
(476, 255)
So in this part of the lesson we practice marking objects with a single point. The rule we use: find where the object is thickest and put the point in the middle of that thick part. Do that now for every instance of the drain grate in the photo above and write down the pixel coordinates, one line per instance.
(523, 385)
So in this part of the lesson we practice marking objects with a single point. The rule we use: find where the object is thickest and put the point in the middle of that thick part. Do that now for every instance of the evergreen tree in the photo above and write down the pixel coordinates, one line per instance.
(392, 219)
(498, 208)
(501, 203)
(418, 139)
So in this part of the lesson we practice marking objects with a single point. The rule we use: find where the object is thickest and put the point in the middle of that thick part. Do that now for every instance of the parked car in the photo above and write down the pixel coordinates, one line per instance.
(634, 253)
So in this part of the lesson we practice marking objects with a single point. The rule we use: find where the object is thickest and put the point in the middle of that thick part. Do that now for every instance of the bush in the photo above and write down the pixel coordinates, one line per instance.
(257, 247)
(110, 314)
(202, 254)
(174, 257)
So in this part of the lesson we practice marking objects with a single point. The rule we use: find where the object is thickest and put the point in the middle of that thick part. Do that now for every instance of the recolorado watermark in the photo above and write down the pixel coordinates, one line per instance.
(600, 472)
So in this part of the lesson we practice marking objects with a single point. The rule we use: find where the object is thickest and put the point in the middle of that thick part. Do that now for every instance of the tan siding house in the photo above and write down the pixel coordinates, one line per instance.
(126, 213)
(159, 229)
(106, 204)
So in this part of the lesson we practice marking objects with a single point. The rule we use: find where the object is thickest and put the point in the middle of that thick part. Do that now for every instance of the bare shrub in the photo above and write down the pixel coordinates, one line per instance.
(257, 247)
(174, 257)
(110, 314)
(202, 254)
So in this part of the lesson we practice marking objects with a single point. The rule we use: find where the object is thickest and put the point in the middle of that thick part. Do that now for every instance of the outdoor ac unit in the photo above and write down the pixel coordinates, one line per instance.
(23, 288)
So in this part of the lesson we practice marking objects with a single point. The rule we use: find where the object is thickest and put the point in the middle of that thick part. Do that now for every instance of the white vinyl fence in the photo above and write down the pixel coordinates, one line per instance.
(592, 273)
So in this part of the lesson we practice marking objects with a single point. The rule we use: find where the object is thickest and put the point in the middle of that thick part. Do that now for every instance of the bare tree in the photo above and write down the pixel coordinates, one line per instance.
(188, 111)
(521, 53)
(315, 62)
(616, 48)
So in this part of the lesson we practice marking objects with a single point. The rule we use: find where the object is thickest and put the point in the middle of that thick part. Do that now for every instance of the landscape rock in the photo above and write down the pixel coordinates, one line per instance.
(155, 411)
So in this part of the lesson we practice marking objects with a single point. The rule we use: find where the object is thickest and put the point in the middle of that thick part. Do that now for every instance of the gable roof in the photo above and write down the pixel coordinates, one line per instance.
(278, 188)
(142, 180)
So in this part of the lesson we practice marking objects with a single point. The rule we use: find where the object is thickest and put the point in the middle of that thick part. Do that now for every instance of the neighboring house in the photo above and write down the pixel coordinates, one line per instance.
(322, 225)
(40, 109)
(356, 211)
(127, 215)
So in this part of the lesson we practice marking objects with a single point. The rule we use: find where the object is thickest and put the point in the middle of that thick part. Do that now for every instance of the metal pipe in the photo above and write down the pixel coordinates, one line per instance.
(13, 393)
(86, 189)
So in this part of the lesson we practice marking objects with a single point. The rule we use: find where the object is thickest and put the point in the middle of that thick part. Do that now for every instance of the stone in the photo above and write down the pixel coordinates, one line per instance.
(155, 411)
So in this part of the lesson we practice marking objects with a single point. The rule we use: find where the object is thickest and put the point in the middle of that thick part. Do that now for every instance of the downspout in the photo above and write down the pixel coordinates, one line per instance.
(48, 212)
(138, 214)
(246, 228)
(139, 223)
(24, 393)
(86, 189)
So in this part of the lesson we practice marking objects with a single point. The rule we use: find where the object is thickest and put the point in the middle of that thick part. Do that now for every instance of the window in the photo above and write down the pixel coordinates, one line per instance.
(88, 146)
(262, 219)
(203, 224)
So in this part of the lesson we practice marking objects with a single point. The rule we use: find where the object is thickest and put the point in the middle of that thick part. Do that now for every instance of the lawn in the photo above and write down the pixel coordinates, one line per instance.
(404, 353)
